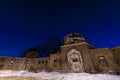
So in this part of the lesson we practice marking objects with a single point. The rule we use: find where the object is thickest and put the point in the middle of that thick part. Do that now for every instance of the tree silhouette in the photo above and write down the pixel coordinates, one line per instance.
(32, 53)
(50, 46)
(23, 53)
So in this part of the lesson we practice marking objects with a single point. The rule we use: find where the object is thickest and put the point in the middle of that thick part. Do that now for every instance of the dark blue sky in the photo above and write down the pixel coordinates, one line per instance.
(27, 23)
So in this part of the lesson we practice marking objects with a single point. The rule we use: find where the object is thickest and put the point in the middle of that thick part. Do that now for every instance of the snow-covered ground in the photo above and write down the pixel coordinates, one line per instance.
(59, 76)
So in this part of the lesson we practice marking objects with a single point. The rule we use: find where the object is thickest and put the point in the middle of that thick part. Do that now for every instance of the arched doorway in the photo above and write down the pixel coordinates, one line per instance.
(75, 60)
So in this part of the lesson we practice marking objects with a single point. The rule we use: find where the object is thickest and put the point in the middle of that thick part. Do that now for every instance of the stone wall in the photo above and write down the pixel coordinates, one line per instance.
(116, 53)
(103, 60)
(83, 48)
(93, 60)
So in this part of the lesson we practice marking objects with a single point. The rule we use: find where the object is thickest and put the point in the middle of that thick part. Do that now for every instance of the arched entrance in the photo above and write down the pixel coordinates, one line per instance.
(75, 60)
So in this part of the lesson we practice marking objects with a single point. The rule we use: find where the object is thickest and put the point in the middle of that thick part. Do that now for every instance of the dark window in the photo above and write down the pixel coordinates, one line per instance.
(55, 63)
(39, 62)
(46, 61)
(55, 60)
(102, 60)
(42, 61)
(70, 36)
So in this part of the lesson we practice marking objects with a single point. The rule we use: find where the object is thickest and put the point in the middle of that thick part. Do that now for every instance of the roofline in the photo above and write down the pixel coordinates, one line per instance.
(78, 44)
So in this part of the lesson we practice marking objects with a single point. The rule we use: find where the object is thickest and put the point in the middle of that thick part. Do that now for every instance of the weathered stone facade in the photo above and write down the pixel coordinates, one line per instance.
(75, 55)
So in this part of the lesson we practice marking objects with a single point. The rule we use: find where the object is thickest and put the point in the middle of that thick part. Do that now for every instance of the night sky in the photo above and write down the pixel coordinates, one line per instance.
(27, 23)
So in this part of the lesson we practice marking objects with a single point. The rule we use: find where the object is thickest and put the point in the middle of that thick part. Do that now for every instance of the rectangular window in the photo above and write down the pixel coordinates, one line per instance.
(55, 62)
(39, 62)
(102, 60)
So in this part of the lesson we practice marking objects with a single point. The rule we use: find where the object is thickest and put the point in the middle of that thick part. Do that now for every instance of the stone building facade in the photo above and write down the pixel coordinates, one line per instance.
(75, 55)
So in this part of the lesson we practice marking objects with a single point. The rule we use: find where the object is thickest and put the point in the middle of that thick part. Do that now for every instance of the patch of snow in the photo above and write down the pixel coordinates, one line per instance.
(60, 76)
(23, 72)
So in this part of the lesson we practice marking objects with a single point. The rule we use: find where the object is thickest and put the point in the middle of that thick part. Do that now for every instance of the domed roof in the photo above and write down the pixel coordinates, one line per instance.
(73, 38)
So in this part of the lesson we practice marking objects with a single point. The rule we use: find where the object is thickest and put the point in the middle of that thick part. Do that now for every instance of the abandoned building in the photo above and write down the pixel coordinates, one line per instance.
(75, 55)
